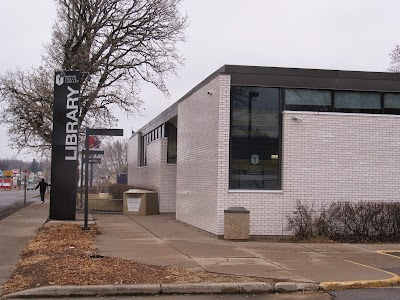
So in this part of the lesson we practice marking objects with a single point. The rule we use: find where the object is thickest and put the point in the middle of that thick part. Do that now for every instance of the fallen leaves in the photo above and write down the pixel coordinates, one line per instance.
(64, 254)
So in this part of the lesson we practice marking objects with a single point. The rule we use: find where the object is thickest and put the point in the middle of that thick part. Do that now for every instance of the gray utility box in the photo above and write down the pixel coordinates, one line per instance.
(140, 202)
(236, 223)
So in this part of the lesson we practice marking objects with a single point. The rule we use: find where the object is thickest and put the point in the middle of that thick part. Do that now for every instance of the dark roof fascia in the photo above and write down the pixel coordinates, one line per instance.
(314, 78)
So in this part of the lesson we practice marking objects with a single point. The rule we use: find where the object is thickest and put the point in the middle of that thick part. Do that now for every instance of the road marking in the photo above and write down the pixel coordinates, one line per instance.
(339, 285)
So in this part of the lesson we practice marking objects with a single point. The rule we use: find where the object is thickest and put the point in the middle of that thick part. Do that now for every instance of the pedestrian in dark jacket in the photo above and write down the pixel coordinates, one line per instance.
(43, 185)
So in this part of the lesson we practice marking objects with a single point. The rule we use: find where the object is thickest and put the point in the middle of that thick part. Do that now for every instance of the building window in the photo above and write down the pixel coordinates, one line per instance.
(342, 101)
(357, 102)
(391, 103)
(143, 150)
(255, 138)
(308, 100)
(171, 134)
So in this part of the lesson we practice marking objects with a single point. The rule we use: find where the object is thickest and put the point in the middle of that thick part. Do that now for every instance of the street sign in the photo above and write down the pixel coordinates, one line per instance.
(93, 152)
(26, 171)
(8, 173)
(1, 173)
(15, 171)
(93, 160)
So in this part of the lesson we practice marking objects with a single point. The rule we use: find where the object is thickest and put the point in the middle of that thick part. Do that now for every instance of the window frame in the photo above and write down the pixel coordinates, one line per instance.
(280, 118)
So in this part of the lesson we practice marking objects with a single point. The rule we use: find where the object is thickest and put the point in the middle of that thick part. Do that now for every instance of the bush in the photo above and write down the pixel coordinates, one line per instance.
(93, 190)
(117, 190)
(302, 221)
(346, 221)
(103, 187)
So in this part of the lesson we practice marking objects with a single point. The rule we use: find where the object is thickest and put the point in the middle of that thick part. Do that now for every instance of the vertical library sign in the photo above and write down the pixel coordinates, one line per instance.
(64, 155)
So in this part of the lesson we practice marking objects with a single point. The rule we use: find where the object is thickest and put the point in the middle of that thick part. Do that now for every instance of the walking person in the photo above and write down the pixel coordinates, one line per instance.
(43, 185)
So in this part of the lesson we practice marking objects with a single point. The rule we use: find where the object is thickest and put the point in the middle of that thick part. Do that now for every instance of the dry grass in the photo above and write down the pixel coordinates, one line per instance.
(60, 255)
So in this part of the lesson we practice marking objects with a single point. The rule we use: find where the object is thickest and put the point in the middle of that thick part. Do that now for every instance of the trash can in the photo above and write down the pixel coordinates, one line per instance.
(140, 202)
(236, 223)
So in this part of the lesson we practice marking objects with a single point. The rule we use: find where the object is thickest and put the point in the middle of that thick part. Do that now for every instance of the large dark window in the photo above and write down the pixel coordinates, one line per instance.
(143, 150)
(171, 133)
(342, 101)
(308, 100)
(392, 103)
(255, 138)
(358, 102)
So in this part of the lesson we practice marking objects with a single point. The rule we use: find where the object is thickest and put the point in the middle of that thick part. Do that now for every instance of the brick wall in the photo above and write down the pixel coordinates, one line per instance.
(157, 175)
(199, 155)
(340, 157)
(167, 190)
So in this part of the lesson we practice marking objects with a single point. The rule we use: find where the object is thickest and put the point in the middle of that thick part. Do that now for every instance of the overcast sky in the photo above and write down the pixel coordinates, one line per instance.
(325, 34)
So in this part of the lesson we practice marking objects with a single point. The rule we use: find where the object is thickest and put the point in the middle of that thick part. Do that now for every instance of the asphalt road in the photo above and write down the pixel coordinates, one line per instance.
(13, 200)
(294, 296)
(368, 294)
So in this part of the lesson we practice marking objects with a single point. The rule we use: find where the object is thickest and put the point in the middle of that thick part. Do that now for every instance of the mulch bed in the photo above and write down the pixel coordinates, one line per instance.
(64, 254)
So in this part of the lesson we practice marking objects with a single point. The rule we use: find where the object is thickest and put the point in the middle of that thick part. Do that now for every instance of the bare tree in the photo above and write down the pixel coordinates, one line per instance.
(395, 59)
(115, 43)
(115, 160)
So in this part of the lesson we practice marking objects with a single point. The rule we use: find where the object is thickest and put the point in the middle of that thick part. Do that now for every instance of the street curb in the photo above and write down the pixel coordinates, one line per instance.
(87, 290)
(154, 289)
(341, 285)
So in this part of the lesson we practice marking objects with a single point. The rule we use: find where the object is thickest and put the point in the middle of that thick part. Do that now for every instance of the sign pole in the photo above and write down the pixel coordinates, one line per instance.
(25, 190)
(85, 226)
(81, 199)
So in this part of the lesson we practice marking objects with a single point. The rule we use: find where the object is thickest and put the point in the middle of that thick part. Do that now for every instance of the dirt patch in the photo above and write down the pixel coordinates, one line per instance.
(64, 254)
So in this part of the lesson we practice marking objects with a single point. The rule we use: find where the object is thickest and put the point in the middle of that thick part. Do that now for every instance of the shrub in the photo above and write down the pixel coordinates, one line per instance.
(103, 188)
(117, 190)
(93, 190)
(346, 221)
(302, 221)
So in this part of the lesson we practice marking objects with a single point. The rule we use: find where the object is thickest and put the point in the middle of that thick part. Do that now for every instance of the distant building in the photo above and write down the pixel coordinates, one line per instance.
(263, 138)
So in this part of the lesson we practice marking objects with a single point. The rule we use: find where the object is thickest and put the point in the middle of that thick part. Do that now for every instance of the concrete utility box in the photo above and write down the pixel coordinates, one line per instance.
(140, 202)
(236, 223)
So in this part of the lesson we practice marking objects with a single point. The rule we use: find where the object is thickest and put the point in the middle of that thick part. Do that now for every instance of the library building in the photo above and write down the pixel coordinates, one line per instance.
(265, 138)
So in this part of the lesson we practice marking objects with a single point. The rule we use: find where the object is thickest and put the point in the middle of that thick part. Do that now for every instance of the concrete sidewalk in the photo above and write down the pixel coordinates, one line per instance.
(162, 240)
(15, 232)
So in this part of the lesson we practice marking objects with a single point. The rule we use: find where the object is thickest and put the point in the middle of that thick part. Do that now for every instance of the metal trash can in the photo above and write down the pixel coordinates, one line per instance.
(140, 202)
(236, 223)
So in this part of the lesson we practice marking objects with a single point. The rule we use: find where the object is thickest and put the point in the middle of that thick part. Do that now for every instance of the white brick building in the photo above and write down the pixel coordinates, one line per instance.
(263, 138)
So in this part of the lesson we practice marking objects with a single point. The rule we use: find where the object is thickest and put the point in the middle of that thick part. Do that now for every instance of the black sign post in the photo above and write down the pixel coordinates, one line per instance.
(64, 155)
(89, 132)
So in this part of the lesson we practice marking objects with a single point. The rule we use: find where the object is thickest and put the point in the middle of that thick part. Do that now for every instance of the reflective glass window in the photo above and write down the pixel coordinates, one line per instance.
(143, 151)
(255, 136)
(392, 103)
(171, 133)
(357, 102)
(308, 100)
